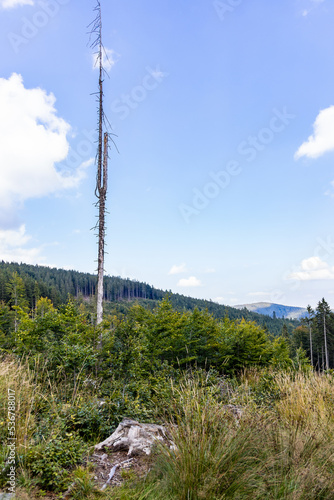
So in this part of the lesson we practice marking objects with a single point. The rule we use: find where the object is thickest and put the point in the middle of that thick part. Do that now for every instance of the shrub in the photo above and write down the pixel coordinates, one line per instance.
(50, 463)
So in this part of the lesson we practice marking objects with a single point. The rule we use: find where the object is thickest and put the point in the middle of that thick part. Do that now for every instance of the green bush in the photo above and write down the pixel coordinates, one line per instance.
(51, 463)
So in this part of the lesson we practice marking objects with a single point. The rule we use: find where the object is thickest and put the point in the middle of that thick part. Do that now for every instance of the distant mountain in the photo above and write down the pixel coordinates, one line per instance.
(280, 311)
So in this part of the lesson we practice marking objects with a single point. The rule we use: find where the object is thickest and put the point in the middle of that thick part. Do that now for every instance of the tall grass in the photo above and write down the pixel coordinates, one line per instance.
(45, 452)
(281, 448)
(301, 438)
(18, 378)
(280, 452)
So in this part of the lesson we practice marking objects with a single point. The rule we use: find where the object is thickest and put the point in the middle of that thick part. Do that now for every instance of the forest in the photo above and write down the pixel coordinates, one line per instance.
(119, 293)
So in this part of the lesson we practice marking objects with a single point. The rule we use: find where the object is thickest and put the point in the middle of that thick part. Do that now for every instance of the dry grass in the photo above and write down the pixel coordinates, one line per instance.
(280, 450)
(284, 452)
(17, 377)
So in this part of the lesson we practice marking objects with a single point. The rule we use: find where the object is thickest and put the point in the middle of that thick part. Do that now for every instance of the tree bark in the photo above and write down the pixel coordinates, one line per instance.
(102, 194)
(102, 171)
(325, 340)
(311, 346)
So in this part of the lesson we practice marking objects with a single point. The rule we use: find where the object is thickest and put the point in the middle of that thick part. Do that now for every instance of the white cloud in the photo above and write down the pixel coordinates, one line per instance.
(13, 247)
(313, 263)
(33, 141)
(10, 4)
(220, 300)
(322, 139)
(189, 282)
(313, 268)
(257, 294)
(178, 269)
(109, 59)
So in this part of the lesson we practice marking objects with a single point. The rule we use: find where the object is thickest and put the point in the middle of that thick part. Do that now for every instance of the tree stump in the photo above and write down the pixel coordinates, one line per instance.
(135, 438)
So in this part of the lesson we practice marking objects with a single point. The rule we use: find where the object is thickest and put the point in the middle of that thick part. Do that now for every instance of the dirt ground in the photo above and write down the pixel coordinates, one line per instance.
(104, 463)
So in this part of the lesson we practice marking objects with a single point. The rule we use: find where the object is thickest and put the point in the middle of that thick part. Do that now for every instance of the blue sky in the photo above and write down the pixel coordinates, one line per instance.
(223, 187)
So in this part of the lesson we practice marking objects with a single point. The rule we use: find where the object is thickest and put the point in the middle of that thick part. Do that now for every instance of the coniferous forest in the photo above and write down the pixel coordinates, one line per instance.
(58, 285)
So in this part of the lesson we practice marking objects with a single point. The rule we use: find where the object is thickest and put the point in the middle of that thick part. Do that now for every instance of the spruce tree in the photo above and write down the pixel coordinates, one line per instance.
(308, 320)
(323, 313)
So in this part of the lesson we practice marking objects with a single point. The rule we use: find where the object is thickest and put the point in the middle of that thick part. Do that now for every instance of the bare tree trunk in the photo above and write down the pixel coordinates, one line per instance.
(322, 358)
(311, 346)
(102, 194)
(325, 339)
(102, 166)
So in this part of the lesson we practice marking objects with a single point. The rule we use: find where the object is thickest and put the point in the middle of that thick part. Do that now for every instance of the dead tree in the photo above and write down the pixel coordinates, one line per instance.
(101, 159)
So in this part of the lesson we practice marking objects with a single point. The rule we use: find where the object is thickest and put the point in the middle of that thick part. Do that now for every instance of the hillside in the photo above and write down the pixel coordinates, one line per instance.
(119, 293)
(279, 310)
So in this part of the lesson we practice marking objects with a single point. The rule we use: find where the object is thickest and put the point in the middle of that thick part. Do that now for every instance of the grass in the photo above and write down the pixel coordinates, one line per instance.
(18, 378)
(280, 452)
(281, 448)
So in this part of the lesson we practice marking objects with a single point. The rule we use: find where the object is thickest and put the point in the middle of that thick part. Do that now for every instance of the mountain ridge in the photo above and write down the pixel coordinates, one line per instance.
(275, 310)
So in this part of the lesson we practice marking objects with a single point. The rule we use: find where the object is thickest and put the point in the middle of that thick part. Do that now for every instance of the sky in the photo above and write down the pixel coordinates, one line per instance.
(221, 184)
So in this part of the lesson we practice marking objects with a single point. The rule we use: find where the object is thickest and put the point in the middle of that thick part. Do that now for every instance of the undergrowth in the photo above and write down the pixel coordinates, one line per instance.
(281, 447)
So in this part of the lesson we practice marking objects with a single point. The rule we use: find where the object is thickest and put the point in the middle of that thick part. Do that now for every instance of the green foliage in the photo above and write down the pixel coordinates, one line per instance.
(281, 447)
(119, 294)
(137, 490)
(245, 345)
(280, 353)
(90, 419)
(63, 336)
(301, 361)
(50, 463)
(82, 485)
(316, 336)
(73, 392)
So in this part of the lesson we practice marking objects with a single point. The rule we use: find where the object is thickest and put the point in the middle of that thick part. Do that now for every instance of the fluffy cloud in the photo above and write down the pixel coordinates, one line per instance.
(189, 282)
(9, 4)
(13, 247)
(178, 269)
(109, 59)
(33, 141)
(313, 269)
(322, 139)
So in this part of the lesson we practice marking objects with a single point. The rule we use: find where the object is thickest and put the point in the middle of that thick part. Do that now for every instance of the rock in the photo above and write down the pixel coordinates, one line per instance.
(135, 438)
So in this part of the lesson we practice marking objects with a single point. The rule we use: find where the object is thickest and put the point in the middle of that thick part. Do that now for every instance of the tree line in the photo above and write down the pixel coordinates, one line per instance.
(119, 293)
(316, 335)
